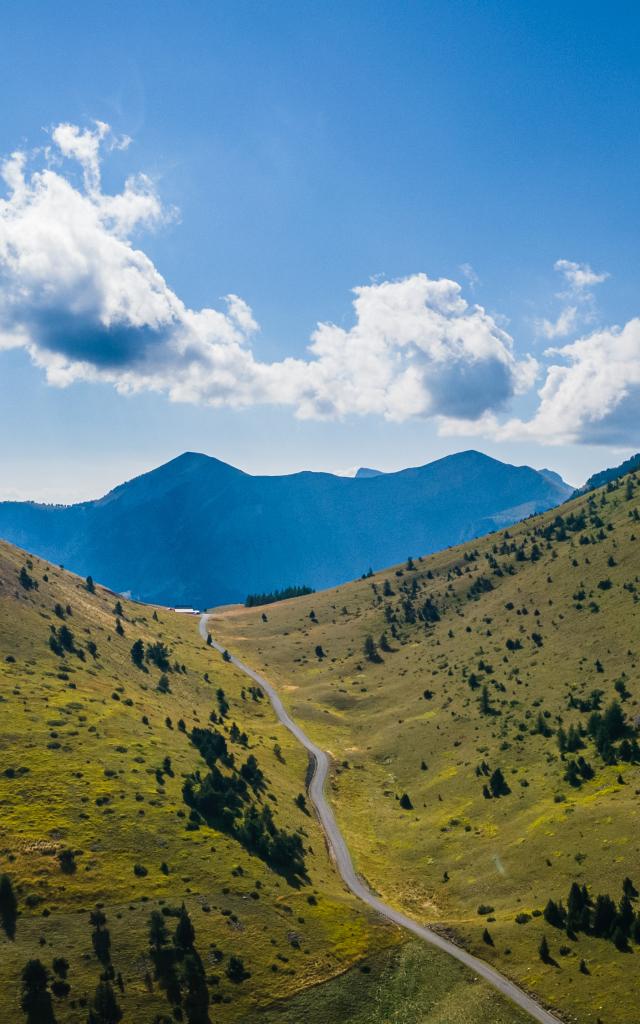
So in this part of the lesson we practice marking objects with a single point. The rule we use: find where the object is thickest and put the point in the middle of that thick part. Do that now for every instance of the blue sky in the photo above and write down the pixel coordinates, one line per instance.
(294, 152)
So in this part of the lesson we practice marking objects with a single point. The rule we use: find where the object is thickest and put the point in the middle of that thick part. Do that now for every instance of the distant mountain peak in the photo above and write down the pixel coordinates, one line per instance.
(190, 457)
(197, 459)
(470, 455)
(197, 531)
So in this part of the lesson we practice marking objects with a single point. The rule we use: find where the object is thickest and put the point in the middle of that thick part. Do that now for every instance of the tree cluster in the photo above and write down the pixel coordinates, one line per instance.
(177, 965)
(600, 916)
(255, 600)
(229, 801)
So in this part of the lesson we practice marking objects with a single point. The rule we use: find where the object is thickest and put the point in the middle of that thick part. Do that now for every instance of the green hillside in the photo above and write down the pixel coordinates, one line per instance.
(481, 707)
(140, 773)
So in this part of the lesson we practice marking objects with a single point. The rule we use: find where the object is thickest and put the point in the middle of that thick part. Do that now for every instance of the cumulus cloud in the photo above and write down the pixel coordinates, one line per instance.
(416, 349)
(591, 386)
(88, 305)
(593, 397)
(590, 392)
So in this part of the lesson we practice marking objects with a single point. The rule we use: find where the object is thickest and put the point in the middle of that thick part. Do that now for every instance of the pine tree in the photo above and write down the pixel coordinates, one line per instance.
(613, 722)
(554, 914)
(8, 906)
(370, 649)
(429, 613)
(100, 936)
(541, 728)
(66, 639)
(575, 907)
(498, 784)
(235, 970)
(543, 950)
(196, 1001)
(485, 702)
(158, 936)
(185, 934)
(26, 580)
(104, 1009)
(36, 1000)
(604, 915)
(626, 915)
(137, 654)
(619, 939)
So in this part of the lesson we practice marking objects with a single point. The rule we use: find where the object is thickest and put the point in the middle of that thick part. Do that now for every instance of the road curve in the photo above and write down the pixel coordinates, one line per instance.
(344, 864)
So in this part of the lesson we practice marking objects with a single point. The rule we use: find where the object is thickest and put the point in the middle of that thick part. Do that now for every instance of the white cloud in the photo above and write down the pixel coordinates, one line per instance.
(565, 324)
(579, 276)
(84, 146)
(593, 397)
(416, 349)
(88, 305)
(469, 273)
(580, 309)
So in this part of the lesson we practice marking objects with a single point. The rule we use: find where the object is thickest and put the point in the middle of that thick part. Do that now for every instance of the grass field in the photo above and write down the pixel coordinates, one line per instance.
(95, 752)
(491, 652)
(408, 984)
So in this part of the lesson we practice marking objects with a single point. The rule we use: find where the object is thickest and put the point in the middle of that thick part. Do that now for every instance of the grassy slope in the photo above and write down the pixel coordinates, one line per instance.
(511, 853)
(409, 984)
(77, 728)
(101, 748)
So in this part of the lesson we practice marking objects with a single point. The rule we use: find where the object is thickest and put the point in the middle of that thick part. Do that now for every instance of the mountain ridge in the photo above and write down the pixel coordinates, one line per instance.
(606, 476)
(199, 531)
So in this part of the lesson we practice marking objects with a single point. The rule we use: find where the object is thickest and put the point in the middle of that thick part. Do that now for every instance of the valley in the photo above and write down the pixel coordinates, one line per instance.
(319, 513)
(480, 708)
(155, 839)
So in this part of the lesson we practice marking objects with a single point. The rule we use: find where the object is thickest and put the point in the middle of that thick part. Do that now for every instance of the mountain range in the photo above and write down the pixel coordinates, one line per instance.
(198, 531)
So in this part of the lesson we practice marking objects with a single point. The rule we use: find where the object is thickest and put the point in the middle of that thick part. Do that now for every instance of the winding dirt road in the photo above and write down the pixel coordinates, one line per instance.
(344, 864)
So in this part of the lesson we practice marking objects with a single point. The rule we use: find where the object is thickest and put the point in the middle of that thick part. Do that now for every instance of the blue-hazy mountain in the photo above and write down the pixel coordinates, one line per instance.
(198, 531)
